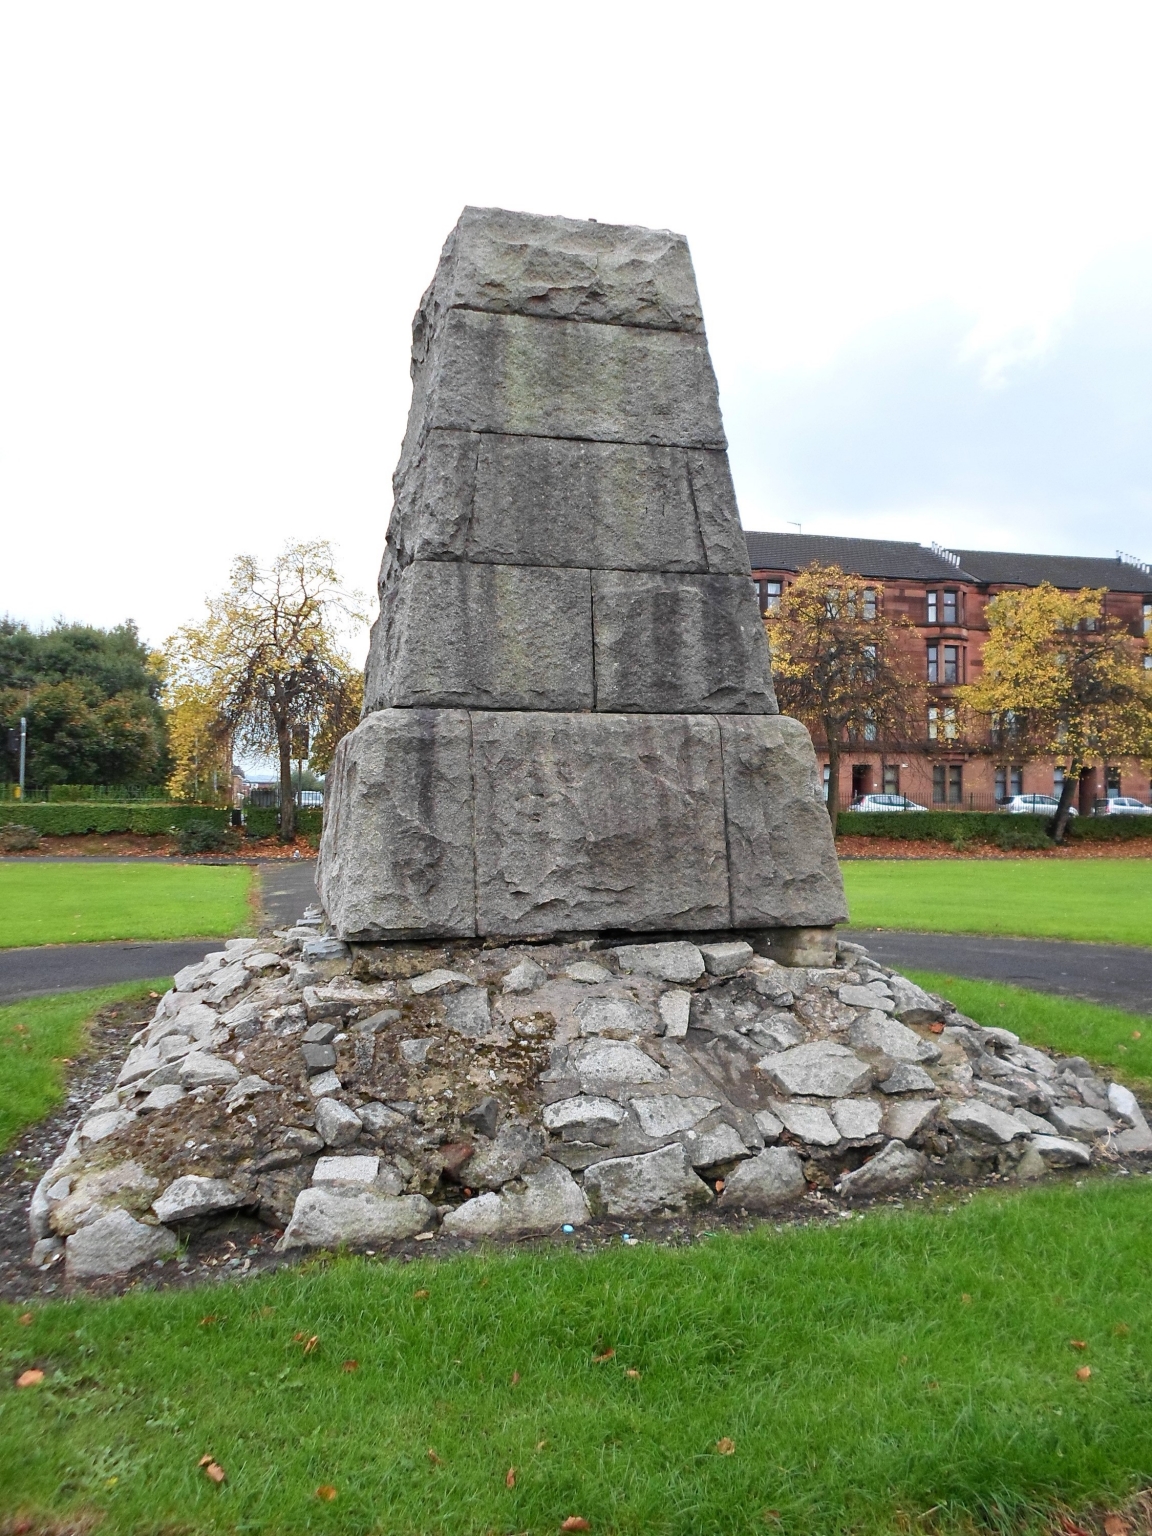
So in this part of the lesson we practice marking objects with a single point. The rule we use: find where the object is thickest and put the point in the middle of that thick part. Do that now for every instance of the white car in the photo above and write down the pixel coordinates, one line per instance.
(1036, 805)
(1121, 805)
(885, 803)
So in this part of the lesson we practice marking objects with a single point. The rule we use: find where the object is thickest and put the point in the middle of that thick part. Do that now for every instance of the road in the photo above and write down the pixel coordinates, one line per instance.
(1119, 975)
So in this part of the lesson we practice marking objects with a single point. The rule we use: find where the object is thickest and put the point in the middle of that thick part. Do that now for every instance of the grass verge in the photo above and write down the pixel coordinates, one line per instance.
(85, 903)
(37, 1037)
(1122, 1041)
(863, 1374)
(1105, 901)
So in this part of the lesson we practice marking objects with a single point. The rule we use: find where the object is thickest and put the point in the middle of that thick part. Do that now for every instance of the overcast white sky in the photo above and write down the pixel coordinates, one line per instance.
(922, 235)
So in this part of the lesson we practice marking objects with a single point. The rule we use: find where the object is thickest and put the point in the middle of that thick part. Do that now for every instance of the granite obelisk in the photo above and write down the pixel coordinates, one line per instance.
(569, 718)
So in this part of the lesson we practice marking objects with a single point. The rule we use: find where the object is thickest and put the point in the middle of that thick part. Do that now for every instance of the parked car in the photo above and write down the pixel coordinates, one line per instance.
(1036, 805)
(885, 803)
(1121, 805)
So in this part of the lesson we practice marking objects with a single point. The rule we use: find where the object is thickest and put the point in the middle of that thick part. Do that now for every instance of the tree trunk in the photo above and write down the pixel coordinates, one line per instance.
(1067, 790)
(833, 778)
(287, 797)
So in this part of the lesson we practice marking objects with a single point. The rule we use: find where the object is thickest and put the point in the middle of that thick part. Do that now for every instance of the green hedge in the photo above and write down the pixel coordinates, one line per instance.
(145, 820)
(997, 829)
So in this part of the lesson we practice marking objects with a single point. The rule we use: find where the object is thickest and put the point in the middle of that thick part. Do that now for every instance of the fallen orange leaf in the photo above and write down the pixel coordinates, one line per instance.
(1083, 1373)
(326, 1492)
(421, 1295)
(515, 1378)
(1135, 1034)
(1071, 1528)
(719, 1186)
(632, 1375)
(206, 1322)
(933, 1029)
(600, 1359)
(433, 1458)
(1116, 1525)
(540, 1444)
(575, 1523)
(25, 1319)
(31, 1378)
(725, 1446)
(310, 1344)
(510, 1478)
(212, 1469)
(350, 1365)
(1078, 1343)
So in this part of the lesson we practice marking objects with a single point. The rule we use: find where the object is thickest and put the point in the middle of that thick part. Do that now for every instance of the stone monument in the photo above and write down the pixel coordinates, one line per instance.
(569, 723)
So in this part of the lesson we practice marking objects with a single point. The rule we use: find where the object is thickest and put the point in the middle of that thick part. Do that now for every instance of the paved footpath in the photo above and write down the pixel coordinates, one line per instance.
(1119, 975)
(287, 887)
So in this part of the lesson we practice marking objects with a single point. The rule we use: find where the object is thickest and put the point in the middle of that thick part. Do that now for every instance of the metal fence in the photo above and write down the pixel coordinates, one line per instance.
(73, 794)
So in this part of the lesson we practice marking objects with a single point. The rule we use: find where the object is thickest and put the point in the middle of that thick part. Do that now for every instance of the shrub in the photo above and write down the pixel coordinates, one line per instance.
(149, 820)
(16, 837)
(208, 837)
(996, 829)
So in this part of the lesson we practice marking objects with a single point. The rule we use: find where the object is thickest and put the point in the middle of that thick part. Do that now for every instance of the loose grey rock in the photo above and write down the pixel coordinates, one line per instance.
(525, 977)
(467, 1012)
(334, 1217)
(377, 1021)
(809, 1122)
(821, 1068)
(768, 1125)
(193, 1195)
(76, 1202)
(982, 1122)
(101, 1126)
(725, 959)
(514, 1148)
(323, 1084)
(1080, 1122)
(247, 1088)
(415, 1052)
(644, 1185)
(876, 996)
(665, 1114)
(303, 1140)
(1060, 1152)
(324, 947)
(436, 981)
(588, 972)
(318, 1058)
(907, 1077)
(616, 1018)
(199, 1070)
(44, 1251)
(226, 983)
(874, 1032)
(1124, 1104)
(483, 1118)
(913, 1004)
(114, 1245)
(761, 1183)
(263, 960)
(894, 1167)
(140, 1063)
(360, 1169)
(857, 1119)
(585, 1110)
(546, 1199)
(706, 1149)
(238, 949)
(162, 1098)
(674, 1008)
(678, 961)
(379, 1120)
(605, 1066)
(908, 1117)
(321, 1033)
(338, 1124)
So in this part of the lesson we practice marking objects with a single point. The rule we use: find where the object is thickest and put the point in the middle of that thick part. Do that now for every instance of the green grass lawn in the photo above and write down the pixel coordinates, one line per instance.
(82, 903)
(866, 1373)
(1107, 901)
(35, 1038)
(1117, 1040)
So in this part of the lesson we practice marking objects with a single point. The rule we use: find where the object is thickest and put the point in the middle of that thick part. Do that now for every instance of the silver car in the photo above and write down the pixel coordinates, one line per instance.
(1036, 805)
(885, 803)
(1121, 805)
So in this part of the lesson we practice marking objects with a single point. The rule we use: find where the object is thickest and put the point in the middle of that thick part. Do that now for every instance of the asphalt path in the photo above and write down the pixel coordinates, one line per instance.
(287, 887)
(1119, 975)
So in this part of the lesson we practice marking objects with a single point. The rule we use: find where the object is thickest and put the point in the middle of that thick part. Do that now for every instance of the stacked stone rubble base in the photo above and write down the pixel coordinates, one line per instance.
(460, 823)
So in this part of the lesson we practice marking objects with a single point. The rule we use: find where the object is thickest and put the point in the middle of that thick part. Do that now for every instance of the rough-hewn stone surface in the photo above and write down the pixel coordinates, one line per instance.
(677, 643)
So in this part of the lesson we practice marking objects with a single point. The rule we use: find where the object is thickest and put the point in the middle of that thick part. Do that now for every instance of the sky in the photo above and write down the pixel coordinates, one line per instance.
(922, 235)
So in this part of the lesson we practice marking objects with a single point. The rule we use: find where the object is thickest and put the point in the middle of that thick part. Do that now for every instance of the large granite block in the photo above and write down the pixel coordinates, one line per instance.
(569, 269)
(433, 506)
(564, 378)
(482, 636)
(598, 821)
(396, 856)
(717, 514)
(781, 856)
(669, 643)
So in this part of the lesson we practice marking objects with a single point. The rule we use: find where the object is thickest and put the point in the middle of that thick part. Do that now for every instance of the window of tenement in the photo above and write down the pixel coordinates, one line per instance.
(951, 606)
(891, 779)
(933, 663)
(941, 723)
(931, 601)
(951, 664)
(770, 593)
(869, 602)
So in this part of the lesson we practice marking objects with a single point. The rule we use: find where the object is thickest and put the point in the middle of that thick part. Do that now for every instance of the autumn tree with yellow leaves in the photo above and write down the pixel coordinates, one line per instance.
(266, 666)
(837, 665)
(1063, 679)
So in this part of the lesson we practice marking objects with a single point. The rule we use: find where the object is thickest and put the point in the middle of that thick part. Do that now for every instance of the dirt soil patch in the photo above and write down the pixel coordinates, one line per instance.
(856, 847)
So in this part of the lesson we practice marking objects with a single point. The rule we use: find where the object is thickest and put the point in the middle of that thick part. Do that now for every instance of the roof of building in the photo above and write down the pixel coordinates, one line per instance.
(893, 559)
(1068, 571)
(862, 557)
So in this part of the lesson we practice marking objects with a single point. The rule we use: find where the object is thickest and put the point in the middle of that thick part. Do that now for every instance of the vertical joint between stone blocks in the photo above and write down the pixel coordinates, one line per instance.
(475, 867)
(727, 839)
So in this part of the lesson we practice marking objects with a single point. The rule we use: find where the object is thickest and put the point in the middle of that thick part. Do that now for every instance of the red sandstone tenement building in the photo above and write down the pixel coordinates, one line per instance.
(944, 593)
